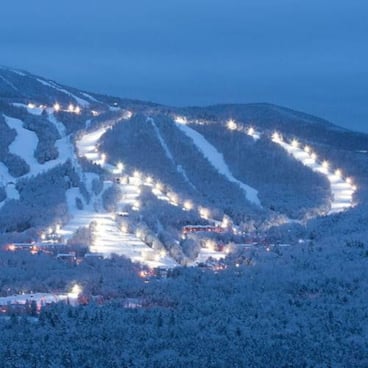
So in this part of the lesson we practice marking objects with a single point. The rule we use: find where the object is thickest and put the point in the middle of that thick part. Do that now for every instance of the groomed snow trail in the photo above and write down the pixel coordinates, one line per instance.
(109, 238)
(342, 190)
(169, 155)
(216, 159)
(26, 142)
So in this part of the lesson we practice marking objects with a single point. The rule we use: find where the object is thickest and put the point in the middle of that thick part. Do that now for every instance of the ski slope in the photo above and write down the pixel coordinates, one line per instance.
(216, 159)
(342, 190)
(108, 237)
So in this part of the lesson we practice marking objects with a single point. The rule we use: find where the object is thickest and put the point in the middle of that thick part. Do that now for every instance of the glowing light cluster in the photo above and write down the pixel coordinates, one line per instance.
(231, 125)
(295, 143)
(75, 291)
(276, 137)
(180, 119)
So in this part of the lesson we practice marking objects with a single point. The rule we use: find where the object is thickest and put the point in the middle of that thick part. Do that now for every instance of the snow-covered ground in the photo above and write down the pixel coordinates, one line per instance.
(206, 253)
(342, 190)
(217, 161)
(31, 108)
(169, 155)
(53, 85)
(87, 146)
(108, 237)
(8, 182)
(41, 299)
(26, 141)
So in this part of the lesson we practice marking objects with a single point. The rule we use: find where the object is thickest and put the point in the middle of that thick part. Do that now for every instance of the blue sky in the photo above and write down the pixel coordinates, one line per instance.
(308, 55)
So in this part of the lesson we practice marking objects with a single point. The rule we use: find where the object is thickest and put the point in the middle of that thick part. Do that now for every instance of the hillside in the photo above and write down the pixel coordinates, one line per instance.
(135, 174)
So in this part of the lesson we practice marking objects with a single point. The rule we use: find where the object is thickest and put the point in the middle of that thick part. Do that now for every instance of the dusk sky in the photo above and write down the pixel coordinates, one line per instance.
(307, 55)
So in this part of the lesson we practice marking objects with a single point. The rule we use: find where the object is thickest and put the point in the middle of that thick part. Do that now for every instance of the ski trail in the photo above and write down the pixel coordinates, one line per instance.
(169, 155)
(10, 84)
(342, 190)
(216, 159)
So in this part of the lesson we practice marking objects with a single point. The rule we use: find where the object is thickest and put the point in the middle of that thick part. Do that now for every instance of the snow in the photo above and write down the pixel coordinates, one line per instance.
(10, 84)
(162, 141)
(206, 253)
(59, 125)
(108, 238)
(89, 97)
(32, 110)
(40, 299)
(8, 182)
(25, 143)
(341, 190)
(169, 155)
(53, 85)
(217, 161)
(18, 72)
(87, 145)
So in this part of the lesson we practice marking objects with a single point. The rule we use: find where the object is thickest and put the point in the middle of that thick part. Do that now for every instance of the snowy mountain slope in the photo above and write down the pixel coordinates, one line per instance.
(217, 161)
(60, 146)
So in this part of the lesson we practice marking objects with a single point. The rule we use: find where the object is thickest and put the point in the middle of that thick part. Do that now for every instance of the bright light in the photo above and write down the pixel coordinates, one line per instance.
(57, 229)
(225, 222)
(124, 229)
(94, 113)
(138, 233)
(31, 106)
(354, 187)
(136, 205)
(128, 114)
(338, 173)
(11, 247)
(204, 213)
(137, 174)
(77, 110)
(120, 166)
(231, 124)
(103, 158)
(276, 137)
(210, 244)
(349, 180)
(188, 205)
(57, 107)
(43, 236)
(251, 131)
(295, 143)
(76, 290)
(313, 156)
(149, 180)
(163, 253)
(325, 164)
(180, 119)
(159, 187)
(71, 108)
(173, 197)
(307, 149)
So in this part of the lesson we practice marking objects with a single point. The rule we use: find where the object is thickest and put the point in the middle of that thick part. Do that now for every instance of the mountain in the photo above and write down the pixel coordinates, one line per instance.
(166, 185)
